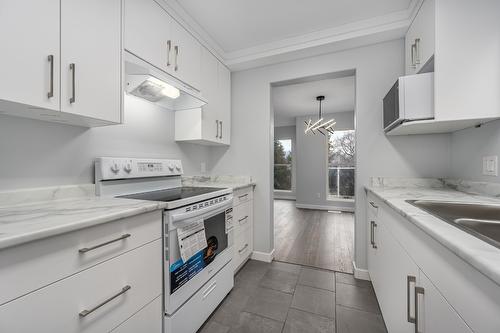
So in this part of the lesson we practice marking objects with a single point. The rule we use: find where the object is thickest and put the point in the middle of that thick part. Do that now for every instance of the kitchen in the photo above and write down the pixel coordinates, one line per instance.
(77, 125)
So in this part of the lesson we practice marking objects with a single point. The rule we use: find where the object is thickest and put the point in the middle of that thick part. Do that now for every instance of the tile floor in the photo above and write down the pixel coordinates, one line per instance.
(281, 297)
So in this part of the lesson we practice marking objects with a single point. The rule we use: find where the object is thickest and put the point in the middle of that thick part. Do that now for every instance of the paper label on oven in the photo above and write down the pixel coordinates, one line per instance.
(191, 239)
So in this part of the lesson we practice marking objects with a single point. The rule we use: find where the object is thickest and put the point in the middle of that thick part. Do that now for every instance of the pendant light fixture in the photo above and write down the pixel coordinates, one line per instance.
(319, 125)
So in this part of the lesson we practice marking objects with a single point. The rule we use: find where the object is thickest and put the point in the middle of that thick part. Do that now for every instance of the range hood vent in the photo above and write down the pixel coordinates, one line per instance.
(147, 82)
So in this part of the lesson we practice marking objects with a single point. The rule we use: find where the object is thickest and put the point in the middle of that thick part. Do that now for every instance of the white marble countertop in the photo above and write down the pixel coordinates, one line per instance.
(32, 220)
(481, 255)
(234, 182)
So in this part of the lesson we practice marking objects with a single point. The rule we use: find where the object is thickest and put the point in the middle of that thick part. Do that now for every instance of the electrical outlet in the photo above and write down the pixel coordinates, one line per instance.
(203, 167)
(490, 165)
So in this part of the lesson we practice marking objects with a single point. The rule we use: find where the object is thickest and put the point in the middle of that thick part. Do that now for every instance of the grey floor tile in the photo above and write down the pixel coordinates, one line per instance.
(250, 275)
(252, 323)
(213, 327)
(279, 280)
(360, 298)
(269, 303)
(355, 321)
(229, 310)
(286, 267)
(304, 322)
(318, 301)
(350, 279)
(317, 278)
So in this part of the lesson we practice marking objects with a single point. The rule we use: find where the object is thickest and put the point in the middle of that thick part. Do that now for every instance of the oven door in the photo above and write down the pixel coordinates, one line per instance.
(393, 115)
(183, 278)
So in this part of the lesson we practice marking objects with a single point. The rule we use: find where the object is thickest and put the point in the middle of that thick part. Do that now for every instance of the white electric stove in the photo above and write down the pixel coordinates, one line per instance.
(197, 234)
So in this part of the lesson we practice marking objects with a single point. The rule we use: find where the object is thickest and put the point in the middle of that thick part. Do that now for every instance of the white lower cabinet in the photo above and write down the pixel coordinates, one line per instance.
(408, 299)
(243, 226)
(149, 319)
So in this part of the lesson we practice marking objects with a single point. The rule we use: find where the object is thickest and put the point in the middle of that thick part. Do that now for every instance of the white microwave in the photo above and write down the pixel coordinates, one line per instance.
(410, 98)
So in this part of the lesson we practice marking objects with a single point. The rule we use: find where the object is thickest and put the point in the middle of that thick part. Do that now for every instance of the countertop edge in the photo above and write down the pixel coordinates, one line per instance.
(482, 267)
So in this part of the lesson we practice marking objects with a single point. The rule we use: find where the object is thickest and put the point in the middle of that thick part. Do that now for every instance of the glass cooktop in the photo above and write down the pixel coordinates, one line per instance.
(172, 194)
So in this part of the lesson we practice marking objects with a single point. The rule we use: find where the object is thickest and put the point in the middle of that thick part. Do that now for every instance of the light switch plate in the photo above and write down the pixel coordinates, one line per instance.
(490, 165)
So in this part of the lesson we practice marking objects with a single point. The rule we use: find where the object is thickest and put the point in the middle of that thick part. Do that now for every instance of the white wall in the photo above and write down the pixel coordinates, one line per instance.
(36, 153)
(287, 132)
(377, 67)
(312, 157)
(469, 146)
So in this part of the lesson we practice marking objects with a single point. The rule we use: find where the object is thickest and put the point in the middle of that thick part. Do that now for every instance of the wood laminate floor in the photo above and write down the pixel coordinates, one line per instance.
(313, 237)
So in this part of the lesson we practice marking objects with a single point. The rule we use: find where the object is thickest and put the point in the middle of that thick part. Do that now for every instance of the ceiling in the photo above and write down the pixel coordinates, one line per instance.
(242, 30)
(291, 101)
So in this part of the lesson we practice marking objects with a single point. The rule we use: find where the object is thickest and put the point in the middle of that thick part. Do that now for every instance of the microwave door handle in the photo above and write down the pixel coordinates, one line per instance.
(201, 212)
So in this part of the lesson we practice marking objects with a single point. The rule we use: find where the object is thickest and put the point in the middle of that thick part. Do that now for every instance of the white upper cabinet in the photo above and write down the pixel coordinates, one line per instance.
(152, 35)
(91, 58)
(30, 52)
(186, 54)
(210, 124)
(419, 40)
(147, 32)
(61, 60)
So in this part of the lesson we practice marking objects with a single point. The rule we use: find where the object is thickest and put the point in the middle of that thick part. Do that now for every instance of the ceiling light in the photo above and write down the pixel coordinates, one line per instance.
(319, 125)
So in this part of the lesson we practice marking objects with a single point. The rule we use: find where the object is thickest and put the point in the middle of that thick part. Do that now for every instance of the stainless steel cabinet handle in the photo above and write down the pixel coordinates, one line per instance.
(373, 205)
(409, 279)
(244, 218)
(176, 50)
(217, 126)
(72, 69)
(85, 313)
(243, 248)
(373, 225)
(413, 62)
(50, 94)
(87, 249)
(418, 291)
(417, 51)
(243, 195)
(220, 122)
(169, 48)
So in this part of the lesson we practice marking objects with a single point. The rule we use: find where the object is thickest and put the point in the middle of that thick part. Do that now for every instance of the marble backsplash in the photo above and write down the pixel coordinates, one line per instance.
(466, 186)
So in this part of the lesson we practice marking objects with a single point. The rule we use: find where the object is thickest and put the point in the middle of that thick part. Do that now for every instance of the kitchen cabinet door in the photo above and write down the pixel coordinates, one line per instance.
(435, 314)
(398, 277)
(373, 253)
(186, 55)
(147, 33)
(91, 51)
(209, 90)
(224, 104)
(30, 59)
(421, 34)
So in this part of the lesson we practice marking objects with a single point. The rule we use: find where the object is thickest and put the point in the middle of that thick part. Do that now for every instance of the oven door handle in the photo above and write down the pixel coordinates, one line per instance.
(202, 211)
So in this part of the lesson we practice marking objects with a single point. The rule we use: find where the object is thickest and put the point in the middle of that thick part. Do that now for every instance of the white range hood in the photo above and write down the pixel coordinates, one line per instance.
(146, 81)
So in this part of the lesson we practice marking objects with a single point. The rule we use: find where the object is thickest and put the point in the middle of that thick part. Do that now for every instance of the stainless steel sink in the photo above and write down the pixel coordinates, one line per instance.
(482, 221)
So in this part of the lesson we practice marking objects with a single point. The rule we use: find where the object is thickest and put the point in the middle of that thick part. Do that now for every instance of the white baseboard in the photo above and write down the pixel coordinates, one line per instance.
(359, 273)
(263, 256)
(324, 207)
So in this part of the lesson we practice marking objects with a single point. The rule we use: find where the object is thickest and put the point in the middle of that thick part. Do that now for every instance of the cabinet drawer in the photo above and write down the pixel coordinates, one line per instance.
(193, 313)
(242, 247)
(242, 195)
(242, 215)
(149, 319)
(31, 266)
(122, 286)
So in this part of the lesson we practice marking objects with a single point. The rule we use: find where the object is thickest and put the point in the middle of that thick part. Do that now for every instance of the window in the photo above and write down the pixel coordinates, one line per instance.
(283, 165)
(341, 164)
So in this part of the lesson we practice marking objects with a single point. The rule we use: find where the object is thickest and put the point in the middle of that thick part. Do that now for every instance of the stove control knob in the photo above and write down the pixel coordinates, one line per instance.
(127, 167)
(115, 168)
(178, 168)
(171, 167)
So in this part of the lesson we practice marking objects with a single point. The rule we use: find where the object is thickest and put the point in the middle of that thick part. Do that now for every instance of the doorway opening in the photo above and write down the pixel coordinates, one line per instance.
(314, 170)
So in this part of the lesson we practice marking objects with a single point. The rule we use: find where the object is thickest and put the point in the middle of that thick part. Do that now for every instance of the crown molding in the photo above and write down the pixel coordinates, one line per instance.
(356, 34)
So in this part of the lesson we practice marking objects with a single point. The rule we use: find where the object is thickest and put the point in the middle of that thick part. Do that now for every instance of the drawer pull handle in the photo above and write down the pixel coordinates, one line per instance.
(209, 290)
(409, 279)
(85, 313)
(373, 205)
(243, 248)
(418, 291)
(72, 68)
(50, 94)
(169, 48)
(373, 225)
(87, 249)
(243, 196)
(242, 219)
